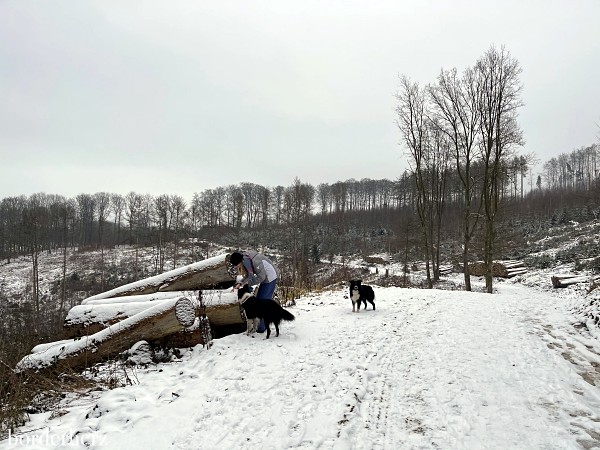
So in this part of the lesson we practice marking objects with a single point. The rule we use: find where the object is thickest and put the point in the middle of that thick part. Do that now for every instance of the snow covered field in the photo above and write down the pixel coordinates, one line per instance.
(428, 369)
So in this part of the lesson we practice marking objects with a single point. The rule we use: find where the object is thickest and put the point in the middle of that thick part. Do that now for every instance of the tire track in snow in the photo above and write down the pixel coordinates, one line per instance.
(458, 370)
(389, 413)
(325, 374)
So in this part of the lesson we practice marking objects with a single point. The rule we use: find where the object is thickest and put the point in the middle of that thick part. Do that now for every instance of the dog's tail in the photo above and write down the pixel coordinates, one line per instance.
(286, 315)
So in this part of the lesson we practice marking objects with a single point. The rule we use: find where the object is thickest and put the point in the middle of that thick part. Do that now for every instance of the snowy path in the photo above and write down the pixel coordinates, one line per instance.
(426, 370)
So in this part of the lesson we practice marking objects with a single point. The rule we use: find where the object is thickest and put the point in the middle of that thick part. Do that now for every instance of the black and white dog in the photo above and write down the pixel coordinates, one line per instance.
(358, 292)
(268, 310)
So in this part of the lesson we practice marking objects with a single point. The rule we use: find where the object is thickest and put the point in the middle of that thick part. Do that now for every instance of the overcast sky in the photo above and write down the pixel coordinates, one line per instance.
(175, 97)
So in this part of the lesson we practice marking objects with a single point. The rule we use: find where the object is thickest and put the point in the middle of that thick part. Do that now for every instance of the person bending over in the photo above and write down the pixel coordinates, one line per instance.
(258, 270)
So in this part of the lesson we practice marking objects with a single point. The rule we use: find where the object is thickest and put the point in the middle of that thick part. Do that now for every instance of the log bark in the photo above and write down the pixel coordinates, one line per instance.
(561, 281)
(161, 320)
(374, 259)
(206, 274)
(221, 308)
(514, 272)
(504, 269)
(188, 337)
(446, 269)
(83, 320)
(155, 296)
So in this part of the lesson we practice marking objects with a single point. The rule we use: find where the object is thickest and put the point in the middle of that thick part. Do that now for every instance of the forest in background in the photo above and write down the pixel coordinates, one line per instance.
(49, 222)
(307, 223)
(467, 196)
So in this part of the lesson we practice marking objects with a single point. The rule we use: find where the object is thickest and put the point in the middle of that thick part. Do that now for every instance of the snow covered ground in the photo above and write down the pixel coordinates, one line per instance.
(428, 369)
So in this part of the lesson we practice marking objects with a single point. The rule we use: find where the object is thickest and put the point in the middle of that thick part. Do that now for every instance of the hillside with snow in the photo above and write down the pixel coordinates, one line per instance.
(426, 369)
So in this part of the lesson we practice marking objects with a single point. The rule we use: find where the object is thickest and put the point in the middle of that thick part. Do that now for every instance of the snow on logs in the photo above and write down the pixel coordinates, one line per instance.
(503, 269)
(209, 273)
(220, 306)
(163, 309)
(165, 318)
(561, 281)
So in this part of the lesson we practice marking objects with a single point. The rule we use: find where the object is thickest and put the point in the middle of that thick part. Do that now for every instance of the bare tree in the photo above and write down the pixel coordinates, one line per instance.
(85, 212)
(67, 215)
(298, 200)
(35, 218)
(437, 168)
(161, 208)
(456, 109)
(11, 210)
(133, 215)
(277, 194)
(102, 204)
(412, 121)
(500, 88)
(117, 203)
(178, 205)
(324, 197)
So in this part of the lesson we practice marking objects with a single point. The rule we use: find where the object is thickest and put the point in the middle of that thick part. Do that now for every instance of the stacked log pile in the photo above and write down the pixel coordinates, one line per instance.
(165, 309)
(165, 318)
(376, 259)
(206, 274)
(220, 306)
(446, 269)
(503, 269)
(561, 281)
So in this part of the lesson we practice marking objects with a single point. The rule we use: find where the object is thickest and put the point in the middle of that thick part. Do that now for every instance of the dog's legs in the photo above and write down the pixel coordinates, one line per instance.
(372, 303)
(268, 327)
(355, 297)
(276, 329)
(250, 326)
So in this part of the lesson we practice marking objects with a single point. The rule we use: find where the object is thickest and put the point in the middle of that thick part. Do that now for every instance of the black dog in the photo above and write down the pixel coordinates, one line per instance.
(268, 310)
(358, 292)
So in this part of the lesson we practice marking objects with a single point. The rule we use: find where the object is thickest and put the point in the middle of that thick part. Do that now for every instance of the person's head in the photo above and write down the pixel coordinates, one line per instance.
(235, 259)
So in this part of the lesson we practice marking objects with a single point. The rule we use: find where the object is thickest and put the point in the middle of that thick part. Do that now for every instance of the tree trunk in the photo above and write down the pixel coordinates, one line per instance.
(166, 318)
(36, 286)
(205, 274)
(221, 308)
(561, 281)
(63, 290)
(466, 267)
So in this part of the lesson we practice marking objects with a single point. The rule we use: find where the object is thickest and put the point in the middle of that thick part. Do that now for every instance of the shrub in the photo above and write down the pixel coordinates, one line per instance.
(539, 262)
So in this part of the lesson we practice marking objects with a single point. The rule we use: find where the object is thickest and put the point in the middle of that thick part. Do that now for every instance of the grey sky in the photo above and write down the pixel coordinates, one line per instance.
(178, 97)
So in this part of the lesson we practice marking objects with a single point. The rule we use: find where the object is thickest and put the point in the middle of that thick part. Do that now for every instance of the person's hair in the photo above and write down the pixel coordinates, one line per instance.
(235, 258)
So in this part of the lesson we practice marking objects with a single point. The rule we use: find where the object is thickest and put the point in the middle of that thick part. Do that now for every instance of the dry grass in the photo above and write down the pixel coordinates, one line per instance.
(22, 394)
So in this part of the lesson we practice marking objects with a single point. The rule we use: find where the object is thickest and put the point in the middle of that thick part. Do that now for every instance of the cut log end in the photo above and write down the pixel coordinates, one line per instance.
(185, 312)
(163, 319)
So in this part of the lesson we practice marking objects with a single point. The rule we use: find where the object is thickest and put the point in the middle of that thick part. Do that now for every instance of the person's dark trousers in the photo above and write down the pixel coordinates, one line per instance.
(265, 292)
